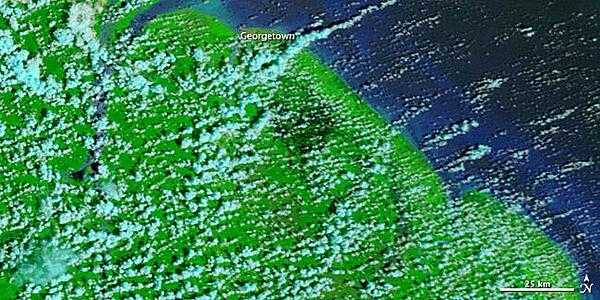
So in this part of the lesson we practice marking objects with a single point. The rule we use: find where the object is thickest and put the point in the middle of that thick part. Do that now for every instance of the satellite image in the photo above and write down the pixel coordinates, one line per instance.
(299, 149)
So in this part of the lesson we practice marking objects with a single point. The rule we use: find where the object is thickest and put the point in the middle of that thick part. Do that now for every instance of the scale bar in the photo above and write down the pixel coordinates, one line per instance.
(534, 290)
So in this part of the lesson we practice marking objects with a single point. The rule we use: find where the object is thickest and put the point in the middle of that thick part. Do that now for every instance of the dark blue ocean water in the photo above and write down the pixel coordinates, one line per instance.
(426, 65)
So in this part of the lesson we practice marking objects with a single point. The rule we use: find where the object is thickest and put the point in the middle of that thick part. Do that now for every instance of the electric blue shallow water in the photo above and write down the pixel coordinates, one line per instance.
(428, 65)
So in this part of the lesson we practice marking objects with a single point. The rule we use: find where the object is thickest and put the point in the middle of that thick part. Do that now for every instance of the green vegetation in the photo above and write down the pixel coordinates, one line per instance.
(225, 169)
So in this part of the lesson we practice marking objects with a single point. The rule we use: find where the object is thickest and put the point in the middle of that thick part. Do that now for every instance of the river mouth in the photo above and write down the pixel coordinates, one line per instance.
(211, 8)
